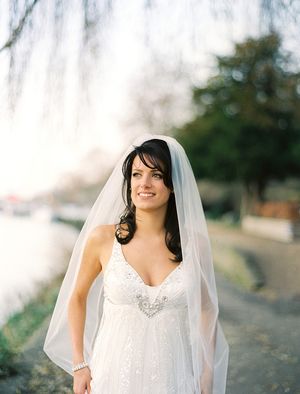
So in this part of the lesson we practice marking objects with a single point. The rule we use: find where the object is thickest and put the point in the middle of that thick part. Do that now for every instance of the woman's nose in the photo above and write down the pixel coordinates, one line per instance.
(146, 180)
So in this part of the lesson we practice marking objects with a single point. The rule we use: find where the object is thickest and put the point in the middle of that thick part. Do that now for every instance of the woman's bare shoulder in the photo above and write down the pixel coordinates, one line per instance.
(102, 238)
(103, 233)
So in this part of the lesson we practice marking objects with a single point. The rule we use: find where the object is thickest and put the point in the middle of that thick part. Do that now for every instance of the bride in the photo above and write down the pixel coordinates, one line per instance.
(138, 312)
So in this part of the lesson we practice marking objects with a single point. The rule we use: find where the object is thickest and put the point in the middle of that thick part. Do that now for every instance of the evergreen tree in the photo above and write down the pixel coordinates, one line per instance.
(247, 125)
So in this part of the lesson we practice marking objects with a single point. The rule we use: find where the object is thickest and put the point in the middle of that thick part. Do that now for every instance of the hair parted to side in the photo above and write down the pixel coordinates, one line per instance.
(158, 156)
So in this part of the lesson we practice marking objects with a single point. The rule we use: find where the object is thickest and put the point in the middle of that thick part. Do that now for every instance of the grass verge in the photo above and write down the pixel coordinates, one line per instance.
(238, 266)
(20, 326)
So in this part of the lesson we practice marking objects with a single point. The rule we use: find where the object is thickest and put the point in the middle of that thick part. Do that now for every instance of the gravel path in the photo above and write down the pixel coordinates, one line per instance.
(264, 343)
(279, 261)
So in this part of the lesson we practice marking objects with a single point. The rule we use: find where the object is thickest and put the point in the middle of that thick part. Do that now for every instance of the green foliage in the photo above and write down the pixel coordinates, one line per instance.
(6, 356)
(21, 325)
(247, 124)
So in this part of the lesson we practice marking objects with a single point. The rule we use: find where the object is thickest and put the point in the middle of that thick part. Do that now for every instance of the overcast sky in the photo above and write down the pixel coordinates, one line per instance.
(36, 150)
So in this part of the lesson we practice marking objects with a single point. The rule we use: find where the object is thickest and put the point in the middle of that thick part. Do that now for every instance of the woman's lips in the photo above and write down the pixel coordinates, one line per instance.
(146, 195)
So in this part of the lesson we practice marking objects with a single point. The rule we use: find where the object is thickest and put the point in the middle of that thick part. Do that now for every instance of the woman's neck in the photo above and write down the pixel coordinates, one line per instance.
(150, 224)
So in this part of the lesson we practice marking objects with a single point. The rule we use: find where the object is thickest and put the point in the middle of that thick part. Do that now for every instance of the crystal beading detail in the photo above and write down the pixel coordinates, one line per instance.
(148, 308)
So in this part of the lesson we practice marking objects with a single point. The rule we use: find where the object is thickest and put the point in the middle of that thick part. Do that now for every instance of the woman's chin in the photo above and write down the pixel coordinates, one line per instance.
(149, 206)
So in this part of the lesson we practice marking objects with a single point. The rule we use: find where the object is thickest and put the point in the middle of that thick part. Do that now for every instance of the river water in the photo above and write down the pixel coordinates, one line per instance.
(32, 252)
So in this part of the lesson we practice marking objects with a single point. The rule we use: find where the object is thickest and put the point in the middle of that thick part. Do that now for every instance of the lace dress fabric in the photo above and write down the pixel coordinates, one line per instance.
(142, 346)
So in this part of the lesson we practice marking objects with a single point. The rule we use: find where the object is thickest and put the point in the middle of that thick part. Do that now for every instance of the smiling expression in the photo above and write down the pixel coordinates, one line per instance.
(148, 190)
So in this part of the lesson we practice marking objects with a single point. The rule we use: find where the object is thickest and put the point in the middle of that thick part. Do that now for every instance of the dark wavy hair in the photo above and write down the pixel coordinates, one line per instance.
(158, 156)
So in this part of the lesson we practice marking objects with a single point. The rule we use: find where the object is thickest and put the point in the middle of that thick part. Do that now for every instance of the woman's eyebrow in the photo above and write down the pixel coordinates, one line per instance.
(136, 169)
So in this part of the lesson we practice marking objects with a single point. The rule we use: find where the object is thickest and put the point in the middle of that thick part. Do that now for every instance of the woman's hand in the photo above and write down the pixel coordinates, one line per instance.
(206, 389)
(81, 381)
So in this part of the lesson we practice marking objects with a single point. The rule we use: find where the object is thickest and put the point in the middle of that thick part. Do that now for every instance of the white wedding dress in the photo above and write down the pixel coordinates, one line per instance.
(142, 346)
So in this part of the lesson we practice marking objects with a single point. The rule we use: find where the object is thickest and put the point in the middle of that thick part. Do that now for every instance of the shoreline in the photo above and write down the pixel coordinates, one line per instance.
(22, 325)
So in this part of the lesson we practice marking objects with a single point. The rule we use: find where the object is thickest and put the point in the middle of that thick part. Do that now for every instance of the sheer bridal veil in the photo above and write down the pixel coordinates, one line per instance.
(210, 350)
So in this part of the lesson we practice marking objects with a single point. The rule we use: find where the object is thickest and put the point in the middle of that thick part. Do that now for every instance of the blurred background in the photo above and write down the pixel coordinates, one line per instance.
(79, 80)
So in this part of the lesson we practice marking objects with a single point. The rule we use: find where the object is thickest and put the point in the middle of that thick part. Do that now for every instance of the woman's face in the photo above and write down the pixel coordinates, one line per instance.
(148, 190)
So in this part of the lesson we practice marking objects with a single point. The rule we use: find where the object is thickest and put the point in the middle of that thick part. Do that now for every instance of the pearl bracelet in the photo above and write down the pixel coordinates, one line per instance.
(80, 366)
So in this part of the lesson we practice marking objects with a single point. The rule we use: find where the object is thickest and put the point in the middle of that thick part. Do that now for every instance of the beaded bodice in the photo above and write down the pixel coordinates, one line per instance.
(124, 286)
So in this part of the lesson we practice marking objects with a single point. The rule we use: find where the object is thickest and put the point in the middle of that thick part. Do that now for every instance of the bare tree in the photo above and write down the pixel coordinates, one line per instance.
(26, 19)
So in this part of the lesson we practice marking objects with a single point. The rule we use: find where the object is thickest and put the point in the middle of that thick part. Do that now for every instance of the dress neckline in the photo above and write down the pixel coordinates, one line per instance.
(139, 276)
(153, 287)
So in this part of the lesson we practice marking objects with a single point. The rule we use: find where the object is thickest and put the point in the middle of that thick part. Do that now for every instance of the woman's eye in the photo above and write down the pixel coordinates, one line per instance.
(155, 175)
(158, 175)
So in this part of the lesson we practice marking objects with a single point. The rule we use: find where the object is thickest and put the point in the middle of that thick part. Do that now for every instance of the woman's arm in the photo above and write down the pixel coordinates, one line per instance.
(89, 269)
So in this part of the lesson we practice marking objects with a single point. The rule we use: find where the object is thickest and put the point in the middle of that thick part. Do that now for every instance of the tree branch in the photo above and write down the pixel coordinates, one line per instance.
(16, 32)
